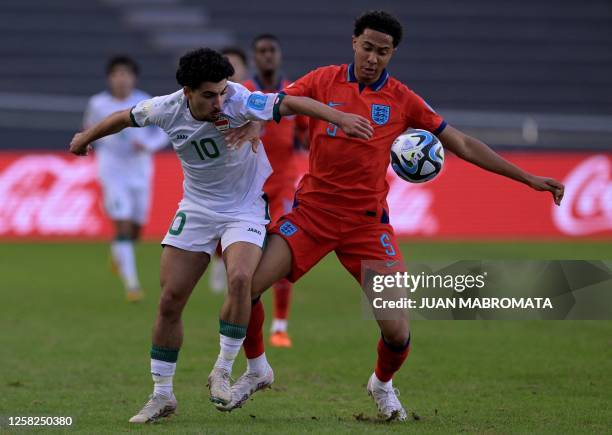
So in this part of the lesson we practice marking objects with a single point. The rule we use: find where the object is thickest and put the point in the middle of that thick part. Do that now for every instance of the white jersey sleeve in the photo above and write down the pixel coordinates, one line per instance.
(253, 106)
(88, 115)
(92, 113)
(154, 111)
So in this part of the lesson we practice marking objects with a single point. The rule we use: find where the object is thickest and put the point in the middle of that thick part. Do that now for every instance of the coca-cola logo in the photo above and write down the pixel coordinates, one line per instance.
(587, 206)
(48, 195)
(411, 207)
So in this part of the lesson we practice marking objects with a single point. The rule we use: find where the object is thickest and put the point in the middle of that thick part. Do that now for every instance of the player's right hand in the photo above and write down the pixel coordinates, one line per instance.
(79, 146)
(236, 137)
(356, 126)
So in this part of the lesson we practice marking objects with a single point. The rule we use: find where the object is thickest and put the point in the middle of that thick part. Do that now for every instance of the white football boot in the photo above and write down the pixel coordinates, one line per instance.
(219, 386)
(246, 385)
(157, 407)
(389, 406)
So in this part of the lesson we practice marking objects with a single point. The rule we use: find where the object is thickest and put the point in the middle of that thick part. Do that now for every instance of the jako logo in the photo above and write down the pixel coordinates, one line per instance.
(253, 230)
(587, 206)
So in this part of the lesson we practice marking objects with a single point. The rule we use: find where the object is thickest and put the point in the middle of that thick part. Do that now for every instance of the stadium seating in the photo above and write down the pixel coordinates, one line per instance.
(536, 56)
(522, 56)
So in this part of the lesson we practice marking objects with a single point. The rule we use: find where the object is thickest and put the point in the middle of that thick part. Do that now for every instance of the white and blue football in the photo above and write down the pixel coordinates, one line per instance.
(417, 156)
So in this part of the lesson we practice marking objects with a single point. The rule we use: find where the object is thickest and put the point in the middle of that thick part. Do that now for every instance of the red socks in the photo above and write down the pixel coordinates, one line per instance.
(282, 297)
(390, 359)
(254, 342)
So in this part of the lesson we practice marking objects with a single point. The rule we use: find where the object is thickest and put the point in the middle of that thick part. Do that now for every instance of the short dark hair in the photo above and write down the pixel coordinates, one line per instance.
(264, 36)
(380, 21)
(203, 65)
(122, 60)
(236, 51)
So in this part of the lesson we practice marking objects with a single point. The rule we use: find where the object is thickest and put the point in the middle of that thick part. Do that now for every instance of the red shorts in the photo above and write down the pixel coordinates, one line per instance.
(312, 233)
(280, 197)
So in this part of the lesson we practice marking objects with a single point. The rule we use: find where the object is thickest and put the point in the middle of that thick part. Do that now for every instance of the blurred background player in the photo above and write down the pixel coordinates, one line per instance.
(125, 167)
(238, 58)
(239, 61)
(281, 141)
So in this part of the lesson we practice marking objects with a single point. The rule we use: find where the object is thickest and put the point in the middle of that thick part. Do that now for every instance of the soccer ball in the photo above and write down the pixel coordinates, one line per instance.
(417, 156)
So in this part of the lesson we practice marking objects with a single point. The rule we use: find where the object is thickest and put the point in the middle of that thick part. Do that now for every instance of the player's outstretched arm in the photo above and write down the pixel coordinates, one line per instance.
(478, 153)
(80, 144)
(353, 125)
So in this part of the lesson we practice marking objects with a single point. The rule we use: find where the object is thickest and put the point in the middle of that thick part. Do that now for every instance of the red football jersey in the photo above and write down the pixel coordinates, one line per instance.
(278, 138)
(347, 174)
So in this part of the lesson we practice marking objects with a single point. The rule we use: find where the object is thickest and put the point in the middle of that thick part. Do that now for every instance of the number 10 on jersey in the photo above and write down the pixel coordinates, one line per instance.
(206, 148)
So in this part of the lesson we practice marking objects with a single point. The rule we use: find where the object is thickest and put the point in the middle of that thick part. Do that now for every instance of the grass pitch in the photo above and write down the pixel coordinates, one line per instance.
(71, 346)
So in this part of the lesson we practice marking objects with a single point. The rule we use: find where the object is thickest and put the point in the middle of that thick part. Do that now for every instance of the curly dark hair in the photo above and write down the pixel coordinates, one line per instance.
(122, 60)
(202, 65)
(380, 21)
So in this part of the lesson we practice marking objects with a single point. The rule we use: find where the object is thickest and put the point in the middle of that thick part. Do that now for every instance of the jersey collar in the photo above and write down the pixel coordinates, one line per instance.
(277, 88)
(376, 86)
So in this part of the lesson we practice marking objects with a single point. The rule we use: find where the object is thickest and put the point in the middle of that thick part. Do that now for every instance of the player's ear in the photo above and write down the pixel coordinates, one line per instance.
(186, 91)
(354, 40)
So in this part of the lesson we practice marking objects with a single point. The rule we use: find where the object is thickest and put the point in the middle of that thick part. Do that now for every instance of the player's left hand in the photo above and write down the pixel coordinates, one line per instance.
(236, 137)
(548, 184)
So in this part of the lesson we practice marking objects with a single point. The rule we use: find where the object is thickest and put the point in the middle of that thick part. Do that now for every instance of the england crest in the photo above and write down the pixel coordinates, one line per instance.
(380, 113)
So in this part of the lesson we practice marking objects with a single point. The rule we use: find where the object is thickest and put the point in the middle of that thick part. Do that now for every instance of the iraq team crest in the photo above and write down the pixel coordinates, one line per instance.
(380, 113)
(222, 123)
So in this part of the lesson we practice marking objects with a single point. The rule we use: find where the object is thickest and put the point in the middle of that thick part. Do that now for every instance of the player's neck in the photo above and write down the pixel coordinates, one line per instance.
(367, 82)
(120, 95)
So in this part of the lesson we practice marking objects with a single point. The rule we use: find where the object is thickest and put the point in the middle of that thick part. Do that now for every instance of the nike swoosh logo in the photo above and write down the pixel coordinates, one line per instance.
(332, 104)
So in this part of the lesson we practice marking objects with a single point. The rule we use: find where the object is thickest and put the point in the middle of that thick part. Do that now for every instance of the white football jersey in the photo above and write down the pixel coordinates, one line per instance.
(116, 155)
(220, 180)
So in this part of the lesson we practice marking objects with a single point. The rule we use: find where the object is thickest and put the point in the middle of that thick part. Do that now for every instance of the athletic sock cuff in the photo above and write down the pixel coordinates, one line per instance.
(397, 349)
(232, 331)
(164, 354)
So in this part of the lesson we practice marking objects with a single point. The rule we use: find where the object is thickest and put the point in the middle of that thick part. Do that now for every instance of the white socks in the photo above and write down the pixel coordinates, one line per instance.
(279, 325)
(377, 384)
(230, 347)
(258, 365)
(123, 253)
(162, 373)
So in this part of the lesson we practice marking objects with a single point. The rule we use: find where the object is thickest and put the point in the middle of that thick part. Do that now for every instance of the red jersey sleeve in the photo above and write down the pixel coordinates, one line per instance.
(419, 114)
(302, 87)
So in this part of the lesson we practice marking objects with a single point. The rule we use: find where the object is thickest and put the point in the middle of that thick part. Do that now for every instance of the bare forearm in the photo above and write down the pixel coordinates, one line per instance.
(110, 125)
(305, 106)
(480, 154)
(488, 159)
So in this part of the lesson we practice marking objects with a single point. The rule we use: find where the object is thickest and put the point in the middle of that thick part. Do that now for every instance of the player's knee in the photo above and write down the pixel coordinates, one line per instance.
(397, 337)
(239, 282)
(170, 304)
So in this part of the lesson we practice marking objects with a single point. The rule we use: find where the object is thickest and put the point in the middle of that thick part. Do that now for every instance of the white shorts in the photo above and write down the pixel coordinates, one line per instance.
(194, 230)
(123, 202)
